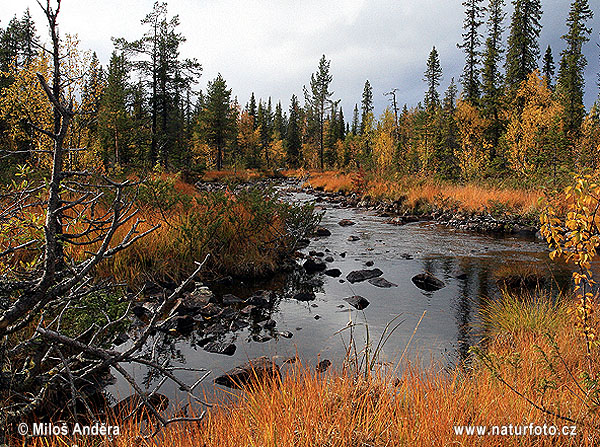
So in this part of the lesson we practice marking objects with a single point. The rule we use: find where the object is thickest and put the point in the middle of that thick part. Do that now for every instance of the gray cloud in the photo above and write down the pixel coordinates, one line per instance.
(272, 47)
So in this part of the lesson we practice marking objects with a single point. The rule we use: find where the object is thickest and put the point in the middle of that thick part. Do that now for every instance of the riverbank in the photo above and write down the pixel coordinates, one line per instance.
(527, 375)
(471, 207)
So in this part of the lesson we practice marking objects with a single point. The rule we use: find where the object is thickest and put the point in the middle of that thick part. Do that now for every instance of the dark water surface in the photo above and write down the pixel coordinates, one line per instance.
(450, 324)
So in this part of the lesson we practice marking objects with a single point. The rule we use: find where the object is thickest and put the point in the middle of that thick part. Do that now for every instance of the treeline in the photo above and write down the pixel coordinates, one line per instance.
(519, 113)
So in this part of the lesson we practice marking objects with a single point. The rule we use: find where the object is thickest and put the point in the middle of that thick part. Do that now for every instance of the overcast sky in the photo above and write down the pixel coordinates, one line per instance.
(271, 47)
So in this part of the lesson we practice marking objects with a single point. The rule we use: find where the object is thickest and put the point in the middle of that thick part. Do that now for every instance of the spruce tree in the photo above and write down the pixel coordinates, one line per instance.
(548, 68)
(114, 120)
(252, 110)
(366, 105)
(491, 75)
(355, 121)
(523, 47)
(571, 83)
(218, 118)
(294, 134)
(470, 45)
(433, 76)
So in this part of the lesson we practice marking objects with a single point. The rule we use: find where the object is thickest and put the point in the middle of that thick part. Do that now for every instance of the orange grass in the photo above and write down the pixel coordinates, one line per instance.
(419, 409)
(238, 238)
(414, 190)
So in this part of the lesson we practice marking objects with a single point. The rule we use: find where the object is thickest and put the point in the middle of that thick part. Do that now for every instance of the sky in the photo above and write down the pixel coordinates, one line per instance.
(271, 47)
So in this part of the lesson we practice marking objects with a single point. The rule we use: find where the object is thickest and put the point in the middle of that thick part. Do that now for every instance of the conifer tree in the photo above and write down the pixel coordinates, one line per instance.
(433, 76)
(470, 45)
(571, 82)
(114, 122)
(317, 99)
(523, 47)
(218, 118)
(252, 109)
(548, 68)
(355, 121)
(491, 75)
(366, 105)
(294, 134)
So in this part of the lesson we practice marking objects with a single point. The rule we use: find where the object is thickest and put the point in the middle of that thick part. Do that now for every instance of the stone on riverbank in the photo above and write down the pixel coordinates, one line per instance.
(249, 372)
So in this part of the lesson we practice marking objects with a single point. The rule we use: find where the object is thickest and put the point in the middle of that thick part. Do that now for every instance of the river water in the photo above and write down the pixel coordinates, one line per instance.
(468, 263)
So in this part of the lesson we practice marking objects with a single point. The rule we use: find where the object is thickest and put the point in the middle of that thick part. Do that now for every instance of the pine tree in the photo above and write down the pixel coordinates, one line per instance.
(366, 105)
(433, 76)
(523, 47)
(294, 134)
(317, 100)
(571, 82)
(471, 43)
(218, 118)
(166, 75)
(548, 68)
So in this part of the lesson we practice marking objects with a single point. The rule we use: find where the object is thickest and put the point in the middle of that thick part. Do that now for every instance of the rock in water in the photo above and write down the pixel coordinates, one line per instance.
(357, 301)
(353, 238)
(382, 282)
(322, 231)
(346, 223)
(252, 371)
(220, 348)
(304, 296)
(363, 275)
(334, 273)
(426, 281)
(314, 265)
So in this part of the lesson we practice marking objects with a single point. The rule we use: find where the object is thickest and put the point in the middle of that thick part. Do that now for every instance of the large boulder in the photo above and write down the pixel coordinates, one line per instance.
(363, 275)
(426, 281)
(250, 372)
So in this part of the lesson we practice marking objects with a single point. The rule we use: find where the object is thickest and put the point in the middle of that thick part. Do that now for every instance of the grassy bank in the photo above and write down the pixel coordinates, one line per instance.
(247, 233)
(532, 358)
(419, 194)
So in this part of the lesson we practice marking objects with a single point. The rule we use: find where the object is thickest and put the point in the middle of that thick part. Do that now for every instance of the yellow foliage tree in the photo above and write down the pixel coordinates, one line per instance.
(24, 105)
(384, 147)
(587, 150)
(473, 153)
(576, 238)
(534, 129)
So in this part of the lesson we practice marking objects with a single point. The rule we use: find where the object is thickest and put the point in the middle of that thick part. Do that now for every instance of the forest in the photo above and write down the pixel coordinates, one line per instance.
(512, 114)
(254, 274)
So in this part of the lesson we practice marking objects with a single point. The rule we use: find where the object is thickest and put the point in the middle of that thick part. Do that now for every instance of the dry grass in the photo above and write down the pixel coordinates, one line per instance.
(244, 234)
(414, 191)
(420, 409)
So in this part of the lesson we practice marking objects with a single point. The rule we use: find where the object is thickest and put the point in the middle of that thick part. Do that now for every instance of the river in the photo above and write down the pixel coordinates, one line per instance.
(468, 263)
